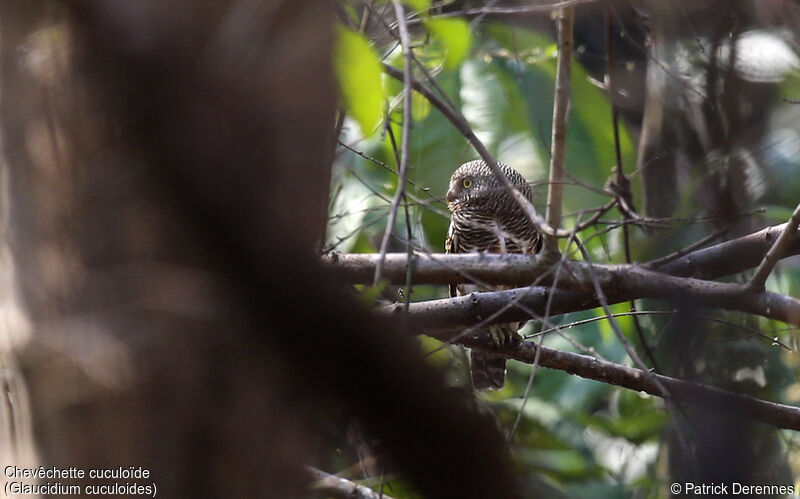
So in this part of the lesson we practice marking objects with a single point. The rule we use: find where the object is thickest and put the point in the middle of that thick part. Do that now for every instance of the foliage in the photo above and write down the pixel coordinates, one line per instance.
(575, 437)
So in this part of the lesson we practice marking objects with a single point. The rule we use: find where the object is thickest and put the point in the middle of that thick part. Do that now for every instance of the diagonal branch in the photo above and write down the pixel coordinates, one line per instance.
(340, 488)
(404, 139)
(775, 253)
(780, 415)
(458, 120)
(653, 264)
(663, 391)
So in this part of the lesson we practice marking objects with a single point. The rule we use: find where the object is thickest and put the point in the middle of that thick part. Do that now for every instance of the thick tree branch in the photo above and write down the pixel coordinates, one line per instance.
(619, 283)
(440, 268)
(775, 253)
(654, 264)
(780, 415)
(663, 391)
(439, 317)
(730, 257)
(716, 261)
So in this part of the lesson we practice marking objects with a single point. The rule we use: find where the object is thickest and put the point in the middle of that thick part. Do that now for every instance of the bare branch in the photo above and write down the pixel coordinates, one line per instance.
(558, 147)
(730, 257)
(403, 173)
(663, 391)
(753, 331)
(508, 268)
(716, 261)
(780, 415)
(340, 488)
(541, 8)
(619, 283)
(775, 253)
(619, 184)
(677, 254)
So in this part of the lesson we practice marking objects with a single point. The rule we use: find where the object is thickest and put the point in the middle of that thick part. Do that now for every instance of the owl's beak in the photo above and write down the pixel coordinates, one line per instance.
(451, 195)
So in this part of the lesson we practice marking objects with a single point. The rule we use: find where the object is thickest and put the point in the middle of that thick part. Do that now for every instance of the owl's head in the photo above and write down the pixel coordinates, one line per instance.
(473, 185)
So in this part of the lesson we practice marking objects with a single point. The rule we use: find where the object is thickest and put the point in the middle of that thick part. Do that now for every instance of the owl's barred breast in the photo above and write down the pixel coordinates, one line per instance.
(499, 234)
(485, 216)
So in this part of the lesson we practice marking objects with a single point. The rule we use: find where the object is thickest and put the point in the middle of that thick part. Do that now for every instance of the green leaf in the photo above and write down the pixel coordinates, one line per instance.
(359, 73)
(418, 5)
(497, 111)
(529, 58)
(454, 35)
(369, 296)
(420, 107)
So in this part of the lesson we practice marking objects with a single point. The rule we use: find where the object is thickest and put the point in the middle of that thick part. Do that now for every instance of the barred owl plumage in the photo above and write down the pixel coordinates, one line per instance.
(485, 217)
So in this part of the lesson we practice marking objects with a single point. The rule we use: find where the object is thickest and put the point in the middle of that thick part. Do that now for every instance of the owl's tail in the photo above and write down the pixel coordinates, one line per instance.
(488, 369)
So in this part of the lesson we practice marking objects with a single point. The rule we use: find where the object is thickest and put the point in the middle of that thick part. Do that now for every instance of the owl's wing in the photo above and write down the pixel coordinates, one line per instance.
(451, 245)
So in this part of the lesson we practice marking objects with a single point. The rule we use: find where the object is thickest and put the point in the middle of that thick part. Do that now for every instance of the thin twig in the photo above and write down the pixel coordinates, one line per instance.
(380, 163)
(754, 331)
(547, 309)
(461, 124)
(409, 235)
(340, 239)
(404, 138)
(599, 212)
(621, 184)
(652, 264)
(512, 10)
(665, 393)
(779, 415)
(775, 253)
(612, 90)
(561, 101)
(340, 488)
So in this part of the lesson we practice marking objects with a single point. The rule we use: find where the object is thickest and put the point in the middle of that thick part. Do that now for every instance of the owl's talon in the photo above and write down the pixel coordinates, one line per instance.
(503, 337)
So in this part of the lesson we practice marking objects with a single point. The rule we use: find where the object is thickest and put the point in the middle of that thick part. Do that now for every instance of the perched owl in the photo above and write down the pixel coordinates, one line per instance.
(485, 217)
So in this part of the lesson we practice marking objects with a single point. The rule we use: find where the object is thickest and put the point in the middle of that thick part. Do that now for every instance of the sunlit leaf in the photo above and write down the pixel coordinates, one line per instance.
(435, 353)
(420, 107)
(418, 5)
(359, 73)
(370, 295)
(497, 112)
(529, 58)
(565, 462)
(454, 35)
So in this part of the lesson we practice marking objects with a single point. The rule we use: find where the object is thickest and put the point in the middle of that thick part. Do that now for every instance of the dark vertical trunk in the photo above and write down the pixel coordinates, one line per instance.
(168, 164)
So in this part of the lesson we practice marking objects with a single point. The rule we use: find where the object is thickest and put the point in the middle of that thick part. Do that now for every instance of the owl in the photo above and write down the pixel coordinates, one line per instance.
(485, 217)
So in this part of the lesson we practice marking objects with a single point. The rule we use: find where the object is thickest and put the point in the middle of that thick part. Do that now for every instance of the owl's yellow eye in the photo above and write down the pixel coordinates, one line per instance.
(466, 183)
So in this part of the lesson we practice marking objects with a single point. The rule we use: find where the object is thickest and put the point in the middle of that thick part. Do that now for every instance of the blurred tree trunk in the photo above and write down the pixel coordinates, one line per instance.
(658, 145)
(137, 355)
(167, 164)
